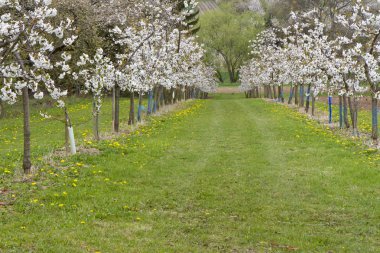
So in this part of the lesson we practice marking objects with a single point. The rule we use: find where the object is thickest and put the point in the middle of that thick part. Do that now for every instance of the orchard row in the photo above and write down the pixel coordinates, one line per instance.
(313, 61)
(155, 55)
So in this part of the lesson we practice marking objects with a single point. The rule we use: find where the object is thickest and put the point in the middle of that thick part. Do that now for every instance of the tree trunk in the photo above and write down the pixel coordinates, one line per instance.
(296, 95)
(27, 163)
(291, 95)
(67, 124)
(375, 130)
(131, 120)
(341, 112)
(95, 114)
(345, 111)
(274, 93)
(353, 116)
(219, 76)
(351, 111)
(150, 101)
(302, 95)
(178, 94)
(70, 139)
(186, 93)
(231, 73)
(356, 107)
(116, 118)
(155, 99)
(167, 96)
(313, 105)
(2, 110)
(140, 107)
(172, 95)
(282, 94)
(270, 92)
(161, 96)
(308, 98)
(113, 107)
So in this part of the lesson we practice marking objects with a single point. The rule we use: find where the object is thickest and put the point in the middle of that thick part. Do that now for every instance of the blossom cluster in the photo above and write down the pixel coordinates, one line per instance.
(28, 39)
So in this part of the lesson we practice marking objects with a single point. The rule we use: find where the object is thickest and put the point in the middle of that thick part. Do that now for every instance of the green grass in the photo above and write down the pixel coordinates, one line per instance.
(364, 116)
(221, 175)
(49, 134)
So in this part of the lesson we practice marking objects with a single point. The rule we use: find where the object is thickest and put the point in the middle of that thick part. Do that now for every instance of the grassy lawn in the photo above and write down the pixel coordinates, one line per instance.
(364, 116)
(49, 134)
(223, 175)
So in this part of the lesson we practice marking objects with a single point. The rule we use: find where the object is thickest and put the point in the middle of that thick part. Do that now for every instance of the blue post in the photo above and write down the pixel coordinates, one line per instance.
(139, 113)
(302, 95)
(150, 98)
(330, 109)
(374, 119)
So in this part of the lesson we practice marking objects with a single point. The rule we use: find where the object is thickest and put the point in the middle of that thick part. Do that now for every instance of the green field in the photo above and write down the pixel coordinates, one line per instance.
(226, 174)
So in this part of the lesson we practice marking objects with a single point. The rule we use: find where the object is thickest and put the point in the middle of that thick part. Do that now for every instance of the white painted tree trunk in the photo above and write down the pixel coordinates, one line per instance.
(73, 148)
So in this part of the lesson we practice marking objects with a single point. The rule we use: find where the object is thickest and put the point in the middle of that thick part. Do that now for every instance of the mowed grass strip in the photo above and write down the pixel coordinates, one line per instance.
(226, 174)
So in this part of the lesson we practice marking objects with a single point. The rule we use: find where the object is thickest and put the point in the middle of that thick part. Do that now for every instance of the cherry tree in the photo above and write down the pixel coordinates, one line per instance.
(28, 40)
(130, 61)
(364, 26)
(307, 56)
(156, 58)
(98, 75)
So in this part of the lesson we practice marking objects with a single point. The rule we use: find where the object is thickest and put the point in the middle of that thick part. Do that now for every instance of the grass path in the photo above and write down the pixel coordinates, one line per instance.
(227, 175)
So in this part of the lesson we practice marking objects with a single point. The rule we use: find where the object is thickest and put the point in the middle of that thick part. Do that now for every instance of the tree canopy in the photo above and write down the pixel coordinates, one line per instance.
(226, 34)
